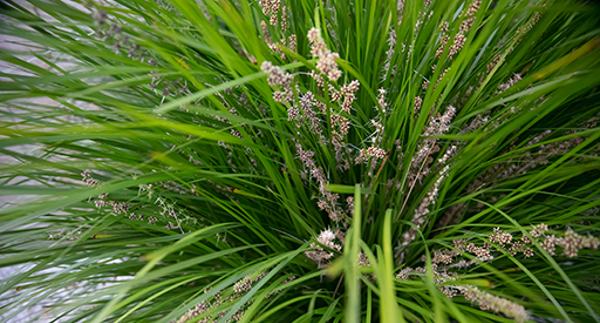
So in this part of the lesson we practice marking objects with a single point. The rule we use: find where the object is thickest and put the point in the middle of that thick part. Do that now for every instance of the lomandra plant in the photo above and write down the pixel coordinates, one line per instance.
(301, 160)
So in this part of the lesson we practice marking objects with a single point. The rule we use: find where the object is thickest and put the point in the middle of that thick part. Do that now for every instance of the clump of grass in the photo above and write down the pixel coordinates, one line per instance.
(301, 160)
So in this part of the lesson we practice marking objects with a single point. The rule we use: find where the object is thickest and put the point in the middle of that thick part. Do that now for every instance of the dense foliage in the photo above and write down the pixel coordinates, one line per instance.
(301, 160)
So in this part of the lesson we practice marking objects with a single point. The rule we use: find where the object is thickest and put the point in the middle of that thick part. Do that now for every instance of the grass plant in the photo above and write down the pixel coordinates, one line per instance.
(300, 160)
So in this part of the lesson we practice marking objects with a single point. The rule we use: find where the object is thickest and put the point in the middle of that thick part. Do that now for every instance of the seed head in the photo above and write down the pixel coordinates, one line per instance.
(99, 17)
(243, 285)
(313, 35)
(549, 244)
(292, 43)
(505, 238)
(90, 182)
